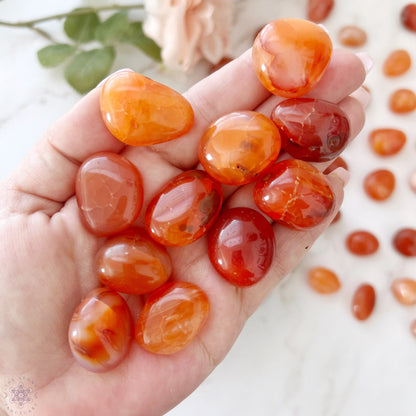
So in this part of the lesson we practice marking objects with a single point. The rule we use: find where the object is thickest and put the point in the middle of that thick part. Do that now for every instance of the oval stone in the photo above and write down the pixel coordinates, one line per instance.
(184, 209)
(171, 318)
(241, 246)
(109, 193)
(238, 146)
(134, 263)
(311, 129)
(101, 330)
(140, 112)
(295, 194)
(291, 55)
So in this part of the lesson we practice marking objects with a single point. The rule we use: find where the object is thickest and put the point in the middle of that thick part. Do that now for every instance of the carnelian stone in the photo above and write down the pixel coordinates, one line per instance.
(241, 246)
(387, 142)
(352, 36)
(403, 101)
(404, 290)
(408, 16)
(397, 63)
(363, 301)
(139, 111)
(404, 242)
(290, 56)
(109, 193)
(294, 193)
(134, 263)
(100, 330)
(311, 129)
(171, 317)
(238, 146)
(379, 184)
(318, 10)
(184, 209)
(339, 162)
(323, 280)
(362, 243)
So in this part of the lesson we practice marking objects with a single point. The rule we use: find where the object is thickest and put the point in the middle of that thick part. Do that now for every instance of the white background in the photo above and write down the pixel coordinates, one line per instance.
(301, 353)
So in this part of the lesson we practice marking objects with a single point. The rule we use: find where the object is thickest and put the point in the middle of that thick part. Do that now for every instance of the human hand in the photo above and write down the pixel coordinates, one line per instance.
(47, 256)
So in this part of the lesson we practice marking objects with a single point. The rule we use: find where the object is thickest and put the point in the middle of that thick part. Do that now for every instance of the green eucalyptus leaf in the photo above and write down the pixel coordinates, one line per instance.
(87, 69)
(112, 29)
(53, 55)
(81, 27)
(134, 35)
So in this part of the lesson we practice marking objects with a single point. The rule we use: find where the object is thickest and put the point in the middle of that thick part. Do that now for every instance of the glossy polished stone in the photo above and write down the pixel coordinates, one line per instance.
(404, 290)
(404, 241)
(363, 301)
(100, 330)
(109, 193)
(241, 246)
(294, 193)
(379, 184)
(323, 280)
(387, 141)
(238, 146)
(311, 129)
(171, 318)
(290, 56)
(319, 10)
(402, 101)
(397, 63)
(362, 243)
(132, 262)
(184, 209)
(352, 36)
(139, 111)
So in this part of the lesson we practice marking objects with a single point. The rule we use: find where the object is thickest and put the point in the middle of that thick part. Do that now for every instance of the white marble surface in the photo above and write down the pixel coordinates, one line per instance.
(300, 354)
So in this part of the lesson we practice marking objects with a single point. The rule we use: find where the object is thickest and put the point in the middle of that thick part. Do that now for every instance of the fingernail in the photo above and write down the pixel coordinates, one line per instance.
(367, 61)
(363, 95)
(342, 174)
(116, 72)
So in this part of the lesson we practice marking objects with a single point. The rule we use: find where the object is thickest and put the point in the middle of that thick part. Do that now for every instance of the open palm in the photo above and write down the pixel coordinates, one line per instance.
(47, 257)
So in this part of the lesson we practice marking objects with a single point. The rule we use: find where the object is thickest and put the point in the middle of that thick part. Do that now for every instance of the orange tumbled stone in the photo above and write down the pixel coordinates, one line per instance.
(318, 10)
(100, 330)
(352, 36)
(132, 262)
(363, 301)
(408, 16)
(404, 290)
(404, 241)
(139, 111)
(379, 184)
(109, 193)
(184, 209)
(171, 318)
(397, 63)
(402, 101)
(362, 243)
(294, 193)
(290, 56)
(238, 146)
(323, 280)
(387, 142)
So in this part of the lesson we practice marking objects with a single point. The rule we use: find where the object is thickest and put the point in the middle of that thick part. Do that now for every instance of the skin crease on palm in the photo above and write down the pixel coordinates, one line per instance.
(47, 257)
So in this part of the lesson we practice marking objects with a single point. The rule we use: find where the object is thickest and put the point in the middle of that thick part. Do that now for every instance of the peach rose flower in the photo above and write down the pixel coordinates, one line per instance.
(188, 30)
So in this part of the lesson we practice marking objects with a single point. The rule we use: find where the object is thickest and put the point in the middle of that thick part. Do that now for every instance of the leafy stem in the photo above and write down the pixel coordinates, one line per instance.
(30, 23)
